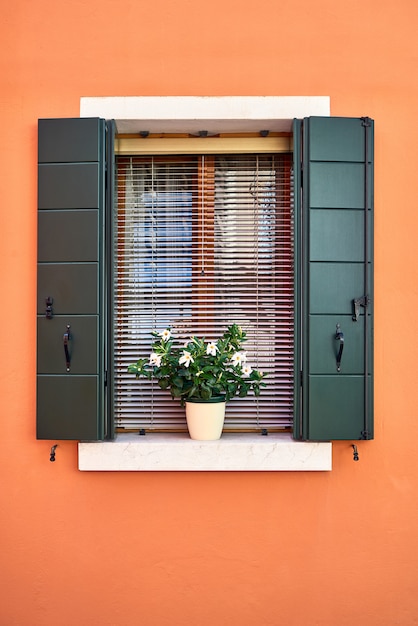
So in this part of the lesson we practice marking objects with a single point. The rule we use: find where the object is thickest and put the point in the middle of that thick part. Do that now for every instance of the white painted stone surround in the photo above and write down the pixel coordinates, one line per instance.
(177, 452)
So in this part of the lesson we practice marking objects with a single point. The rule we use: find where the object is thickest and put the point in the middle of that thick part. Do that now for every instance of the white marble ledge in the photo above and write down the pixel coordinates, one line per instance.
(177, 452)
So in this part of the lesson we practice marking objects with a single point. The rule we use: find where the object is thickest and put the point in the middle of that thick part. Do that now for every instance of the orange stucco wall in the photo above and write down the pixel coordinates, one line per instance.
(251, 549)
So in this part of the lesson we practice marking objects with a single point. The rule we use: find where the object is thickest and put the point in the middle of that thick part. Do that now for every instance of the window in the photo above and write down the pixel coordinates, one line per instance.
(201, 241)
(332, 239)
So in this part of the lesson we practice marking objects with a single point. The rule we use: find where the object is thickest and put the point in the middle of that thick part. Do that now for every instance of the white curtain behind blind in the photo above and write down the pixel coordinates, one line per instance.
(200, 243)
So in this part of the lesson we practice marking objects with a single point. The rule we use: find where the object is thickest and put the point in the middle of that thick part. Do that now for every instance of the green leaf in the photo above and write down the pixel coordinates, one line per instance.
(176, 392)
(192, 391)
(206, 392)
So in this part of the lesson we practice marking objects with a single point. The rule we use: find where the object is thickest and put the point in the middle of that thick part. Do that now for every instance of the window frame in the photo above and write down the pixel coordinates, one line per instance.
(274, 410)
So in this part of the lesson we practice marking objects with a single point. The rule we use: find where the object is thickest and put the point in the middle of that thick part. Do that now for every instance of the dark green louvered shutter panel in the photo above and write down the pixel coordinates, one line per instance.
(71, 288)
(334, 278)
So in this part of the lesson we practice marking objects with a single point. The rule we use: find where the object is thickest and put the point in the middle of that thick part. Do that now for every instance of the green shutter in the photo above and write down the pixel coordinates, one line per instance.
(71, 362)
(334, 278)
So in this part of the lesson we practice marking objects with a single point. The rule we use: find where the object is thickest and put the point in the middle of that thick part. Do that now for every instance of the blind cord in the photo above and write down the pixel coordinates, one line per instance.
(202, 212)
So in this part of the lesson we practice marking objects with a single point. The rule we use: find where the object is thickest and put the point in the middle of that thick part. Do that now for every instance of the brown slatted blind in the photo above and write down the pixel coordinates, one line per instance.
(202, 242)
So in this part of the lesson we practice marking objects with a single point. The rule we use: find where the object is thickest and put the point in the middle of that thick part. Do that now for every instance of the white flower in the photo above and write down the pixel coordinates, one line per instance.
(155, 359)
(165, 334)
(238, 358)
(211, 348)
(246, 370)
(186, 358)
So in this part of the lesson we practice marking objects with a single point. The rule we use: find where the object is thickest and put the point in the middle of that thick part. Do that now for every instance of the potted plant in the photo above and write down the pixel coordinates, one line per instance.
(203, 374)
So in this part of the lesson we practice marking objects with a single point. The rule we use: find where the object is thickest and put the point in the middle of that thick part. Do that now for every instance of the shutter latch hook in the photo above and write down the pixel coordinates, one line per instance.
(52, 453)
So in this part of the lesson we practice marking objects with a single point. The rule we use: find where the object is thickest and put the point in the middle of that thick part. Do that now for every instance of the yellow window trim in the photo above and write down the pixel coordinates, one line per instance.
(201, 145)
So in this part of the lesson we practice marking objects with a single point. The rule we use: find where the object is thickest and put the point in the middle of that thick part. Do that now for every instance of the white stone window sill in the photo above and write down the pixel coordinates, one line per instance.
(177, 452)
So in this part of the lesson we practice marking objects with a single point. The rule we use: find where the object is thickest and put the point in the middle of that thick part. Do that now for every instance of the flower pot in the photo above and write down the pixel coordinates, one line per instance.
(205, 419)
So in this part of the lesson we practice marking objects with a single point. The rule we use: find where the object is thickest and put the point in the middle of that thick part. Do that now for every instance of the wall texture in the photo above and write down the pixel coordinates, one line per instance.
(208, 548)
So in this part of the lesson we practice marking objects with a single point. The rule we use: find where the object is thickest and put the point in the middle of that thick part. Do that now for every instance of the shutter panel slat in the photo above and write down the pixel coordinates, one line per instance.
(201, 242)
(334, 238)
(70, 399)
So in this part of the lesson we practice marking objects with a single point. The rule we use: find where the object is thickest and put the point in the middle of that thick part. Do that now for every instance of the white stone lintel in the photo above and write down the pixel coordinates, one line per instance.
(211, 113)
(177, 452)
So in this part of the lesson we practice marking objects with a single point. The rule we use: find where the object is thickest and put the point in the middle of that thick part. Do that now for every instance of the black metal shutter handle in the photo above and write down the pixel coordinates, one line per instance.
(67, 338)
(339, 336)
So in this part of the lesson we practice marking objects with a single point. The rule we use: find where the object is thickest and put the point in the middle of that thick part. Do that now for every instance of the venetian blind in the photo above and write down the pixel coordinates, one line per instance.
(202, 242)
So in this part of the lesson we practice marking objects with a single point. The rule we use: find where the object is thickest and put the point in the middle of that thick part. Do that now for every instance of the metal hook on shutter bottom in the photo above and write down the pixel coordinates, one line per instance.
(339, 336)
(66, 339)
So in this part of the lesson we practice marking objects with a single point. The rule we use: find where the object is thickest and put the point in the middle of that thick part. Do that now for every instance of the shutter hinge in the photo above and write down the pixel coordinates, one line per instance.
(301, 378)
(364, 301)
(366, 121)
(49, 311)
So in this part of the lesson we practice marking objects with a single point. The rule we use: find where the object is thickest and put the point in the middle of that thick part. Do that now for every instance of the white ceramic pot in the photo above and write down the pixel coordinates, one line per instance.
(205, 420)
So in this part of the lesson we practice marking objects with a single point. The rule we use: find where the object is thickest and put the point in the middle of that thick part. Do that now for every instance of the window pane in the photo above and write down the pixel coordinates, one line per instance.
(202, 242)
